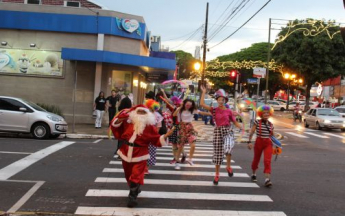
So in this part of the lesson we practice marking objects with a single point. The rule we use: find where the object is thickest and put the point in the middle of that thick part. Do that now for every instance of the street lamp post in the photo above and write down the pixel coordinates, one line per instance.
(290, 77)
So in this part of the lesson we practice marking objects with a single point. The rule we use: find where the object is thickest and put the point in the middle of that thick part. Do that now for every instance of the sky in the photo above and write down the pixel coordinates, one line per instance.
(176, 20)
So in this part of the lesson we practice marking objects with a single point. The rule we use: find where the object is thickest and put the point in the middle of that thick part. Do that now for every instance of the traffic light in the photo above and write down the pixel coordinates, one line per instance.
(233, 74)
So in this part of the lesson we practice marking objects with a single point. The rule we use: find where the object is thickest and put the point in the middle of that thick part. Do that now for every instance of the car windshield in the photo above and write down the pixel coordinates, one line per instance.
(341, 110)
(35, 106)
(328, 112)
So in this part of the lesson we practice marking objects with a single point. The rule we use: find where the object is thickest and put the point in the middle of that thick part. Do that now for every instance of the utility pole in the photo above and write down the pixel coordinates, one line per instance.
(268, 59)
(205, 49)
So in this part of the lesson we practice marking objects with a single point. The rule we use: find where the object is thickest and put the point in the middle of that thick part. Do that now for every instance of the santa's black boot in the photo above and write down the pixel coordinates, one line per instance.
(133, 193)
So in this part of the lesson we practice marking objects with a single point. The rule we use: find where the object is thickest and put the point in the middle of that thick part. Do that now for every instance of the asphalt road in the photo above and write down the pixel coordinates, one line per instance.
(80, 176)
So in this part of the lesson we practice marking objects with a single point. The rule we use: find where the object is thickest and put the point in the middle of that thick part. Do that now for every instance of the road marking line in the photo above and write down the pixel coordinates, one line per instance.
(170, 154)
(107, 211)
(173, 172)
(196, 150)
(316, 135)
(18, 166)
(180, 182)
(26, 197)
(194, 159)
(180, 195)
(7, 152)
(97, 141)
(297, 135)
(187, 147)
(329, 134)
(181, 165)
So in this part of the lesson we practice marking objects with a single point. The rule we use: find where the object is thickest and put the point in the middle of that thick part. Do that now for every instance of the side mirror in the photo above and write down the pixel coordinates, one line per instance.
(23, 109)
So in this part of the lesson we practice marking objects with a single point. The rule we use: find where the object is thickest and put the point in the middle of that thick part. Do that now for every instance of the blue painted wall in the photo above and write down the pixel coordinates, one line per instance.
(117, 58)
(65, 23)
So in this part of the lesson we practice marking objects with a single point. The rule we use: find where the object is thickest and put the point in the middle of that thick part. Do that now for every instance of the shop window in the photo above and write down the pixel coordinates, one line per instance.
(122, 81)
(32, 2)
(72, 4)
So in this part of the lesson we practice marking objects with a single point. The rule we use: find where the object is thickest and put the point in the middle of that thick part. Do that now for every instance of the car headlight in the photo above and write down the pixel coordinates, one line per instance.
(54, 118)
(327, 121)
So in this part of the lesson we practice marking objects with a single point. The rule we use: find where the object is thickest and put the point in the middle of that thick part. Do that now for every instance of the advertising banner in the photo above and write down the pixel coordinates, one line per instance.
(259, 72)
(31, 63)
(252, 81)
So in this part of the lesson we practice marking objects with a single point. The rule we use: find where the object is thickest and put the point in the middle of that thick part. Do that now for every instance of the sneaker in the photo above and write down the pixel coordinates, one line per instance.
(230, 172)
(190, 162)
(254, 178)
(177, 166)
(268, 183)
(183, 159)
(173, 161)
(216, 180)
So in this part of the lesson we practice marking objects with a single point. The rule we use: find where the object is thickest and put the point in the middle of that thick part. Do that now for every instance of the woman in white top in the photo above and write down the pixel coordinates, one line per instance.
(187, 134)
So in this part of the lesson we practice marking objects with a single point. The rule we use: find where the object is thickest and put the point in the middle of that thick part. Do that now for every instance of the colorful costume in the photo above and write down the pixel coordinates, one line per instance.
(134, 152)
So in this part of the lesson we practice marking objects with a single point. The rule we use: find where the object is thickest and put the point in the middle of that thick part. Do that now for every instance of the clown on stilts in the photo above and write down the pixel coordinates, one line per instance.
(136, 127)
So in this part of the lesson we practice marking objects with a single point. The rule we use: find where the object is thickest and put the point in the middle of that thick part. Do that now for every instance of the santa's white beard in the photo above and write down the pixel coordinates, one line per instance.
(141, 121)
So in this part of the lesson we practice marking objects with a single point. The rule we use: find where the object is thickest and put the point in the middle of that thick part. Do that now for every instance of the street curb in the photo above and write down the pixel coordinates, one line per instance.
(85, 136)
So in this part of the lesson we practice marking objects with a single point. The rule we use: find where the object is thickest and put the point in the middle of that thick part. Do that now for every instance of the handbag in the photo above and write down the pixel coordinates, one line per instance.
(94, 114)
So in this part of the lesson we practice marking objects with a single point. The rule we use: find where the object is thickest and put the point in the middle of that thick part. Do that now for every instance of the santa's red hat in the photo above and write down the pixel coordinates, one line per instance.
(126, 112)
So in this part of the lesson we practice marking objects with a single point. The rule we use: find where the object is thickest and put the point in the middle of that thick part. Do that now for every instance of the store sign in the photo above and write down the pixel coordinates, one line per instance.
(157, 78)
(252, 81)
(30, 62)
(259, 72)
(129, 25)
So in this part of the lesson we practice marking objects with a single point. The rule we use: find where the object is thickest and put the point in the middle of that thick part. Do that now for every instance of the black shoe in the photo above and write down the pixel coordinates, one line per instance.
(254, 178)
(132, 202)
(268, 183)
(183, 159)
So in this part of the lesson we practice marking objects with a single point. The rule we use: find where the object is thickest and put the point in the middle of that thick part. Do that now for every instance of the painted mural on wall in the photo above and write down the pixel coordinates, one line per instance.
(31, 62)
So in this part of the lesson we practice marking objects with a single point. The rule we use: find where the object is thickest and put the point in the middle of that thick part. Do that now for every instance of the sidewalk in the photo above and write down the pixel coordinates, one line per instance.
(87, 131)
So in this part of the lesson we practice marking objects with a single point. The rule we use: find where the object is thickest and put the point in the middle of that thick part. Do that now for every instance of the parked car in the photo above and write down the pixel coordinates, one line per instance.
(19, 115)
(324, 118)
(341, 110)
(276, 105)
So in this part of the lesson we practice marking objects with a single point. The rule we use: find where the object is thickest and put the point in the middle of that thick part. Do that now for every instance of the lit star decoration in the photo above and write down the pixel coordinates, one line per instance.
(216, 68)
(310, 28)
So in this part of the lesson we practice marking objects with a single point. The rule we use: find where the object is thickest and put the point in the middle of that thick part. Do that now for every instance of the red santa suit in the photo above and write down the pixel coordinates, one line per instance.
(134, 152)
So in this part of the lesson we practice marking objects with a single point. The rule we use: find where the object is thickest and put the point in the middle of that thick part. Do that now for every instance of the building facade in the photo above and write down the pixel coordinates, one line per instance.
(64, 55)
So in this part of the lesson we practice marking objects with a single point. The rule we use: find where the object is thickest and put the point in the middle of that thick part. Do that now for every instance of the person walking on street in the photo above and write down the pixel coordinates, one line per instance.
(263, 144)
(223, 136)
(111, 104)
(99, 107)
(187, 134)
(153, 106)
(137, 129)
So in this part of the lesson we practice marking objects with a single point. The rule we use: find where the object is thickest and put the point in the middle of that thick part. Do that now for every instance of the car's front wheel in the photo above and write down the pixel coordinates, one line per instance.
(318, 126)
(306, 124)
(282, 109)
(40, 131)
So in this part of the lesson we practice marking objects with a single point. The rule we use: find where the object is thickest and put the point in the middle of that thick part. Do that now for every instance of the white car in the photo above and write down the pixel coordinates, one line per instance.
(324, 118)
(341, 110)
(18, 115)
(277, 105)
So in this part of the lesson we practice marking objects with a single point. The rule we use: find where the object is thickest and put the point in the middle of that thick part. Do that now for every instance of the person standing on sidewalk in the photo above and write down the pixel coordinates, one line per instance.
(223, 136)
(99, 107)
(111, 104)
(263, 144)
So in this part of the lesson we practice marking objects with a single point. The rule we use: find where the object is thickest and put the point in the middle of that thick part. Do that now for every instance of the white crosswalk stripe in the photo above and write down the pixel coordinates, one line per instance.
(296, 134)
(173, 172)
(83, 210)
(317, 135)
(189, 184)
(334, 135)
(181, 165)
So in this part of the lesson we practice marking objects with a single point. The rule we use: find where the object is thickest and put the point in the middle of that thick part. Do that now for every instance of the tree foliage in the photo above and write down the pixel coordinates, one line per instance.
(185, 61)
(315, 58)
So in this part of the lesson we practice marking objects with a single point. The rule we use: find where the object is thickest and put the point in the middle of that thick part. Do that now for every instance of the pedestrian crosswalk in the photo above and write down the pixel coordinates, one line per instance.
(189, 191)
(309, 134)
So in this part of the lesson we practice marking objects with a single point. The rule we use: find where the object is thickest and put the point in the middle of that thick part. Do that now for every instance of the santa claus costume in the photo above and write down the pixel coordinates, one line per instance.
(137, 128)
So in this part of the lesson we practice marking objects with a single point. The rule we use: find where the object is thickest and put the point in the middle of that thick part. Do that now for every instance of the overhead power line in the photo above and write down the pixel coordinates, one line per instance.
(190, 37)
(243, 24)
(184, 35)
